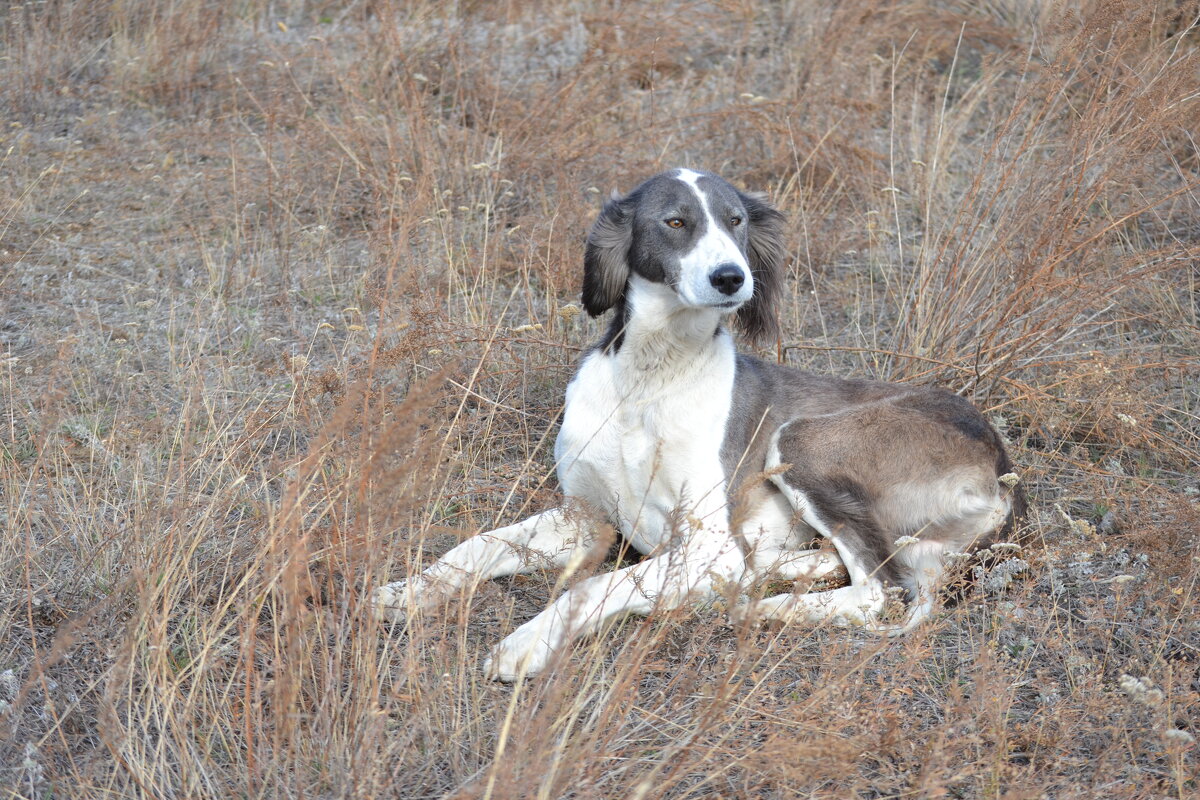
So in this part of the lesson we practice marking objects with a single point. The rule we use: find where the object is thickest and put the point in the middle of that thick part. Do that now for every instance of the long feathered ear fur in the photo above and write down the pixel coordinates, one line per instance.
(766, 251)
(606, 259)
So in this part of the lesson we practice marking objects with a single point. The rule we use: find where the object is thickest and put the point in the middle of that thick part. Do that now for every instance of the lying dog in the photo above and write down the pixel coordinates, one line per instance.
(665, 421)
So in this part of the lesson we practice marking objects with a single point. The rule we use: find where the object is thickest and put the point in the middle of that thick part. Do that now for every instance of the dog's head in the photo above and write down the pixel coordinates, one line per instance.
(714, 246)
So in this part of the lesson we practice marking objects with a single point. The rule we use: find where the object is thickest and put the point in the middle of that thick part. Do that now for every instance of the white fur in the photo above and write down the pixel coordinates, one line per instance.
(641, 440)
(643, 428)
(713, 248)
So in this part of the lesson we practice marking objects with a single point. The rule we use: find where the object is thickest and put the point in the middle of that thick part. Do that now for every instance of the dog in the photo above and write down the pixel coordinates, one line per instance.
(722, 468)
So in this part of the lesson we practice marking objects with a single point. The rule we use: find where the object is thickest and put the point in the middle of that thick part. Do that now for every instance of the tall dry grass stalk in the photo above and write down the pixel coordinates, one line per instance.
(290, 300)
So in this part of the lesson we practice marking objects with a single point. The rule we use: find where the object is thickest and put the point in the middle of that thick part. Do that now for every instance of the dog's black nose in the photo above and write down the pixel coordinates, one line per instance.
(727, 278)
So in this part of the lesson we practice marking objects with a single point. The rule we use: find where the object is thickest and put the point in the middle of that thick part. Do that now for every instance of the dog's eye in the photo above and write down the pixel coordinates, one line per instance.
(735, 221)
(675, 222)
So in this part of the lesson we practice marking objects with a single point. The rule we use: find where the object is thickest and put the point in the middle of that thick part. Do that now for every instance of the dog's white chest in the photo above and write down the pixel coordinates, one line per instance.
(639, 451)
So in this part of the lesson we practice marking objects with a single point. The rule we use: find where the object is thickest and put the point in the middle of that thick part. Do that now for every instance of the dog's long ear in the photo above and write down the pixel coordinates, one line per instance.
(606, 259)
(766, 251)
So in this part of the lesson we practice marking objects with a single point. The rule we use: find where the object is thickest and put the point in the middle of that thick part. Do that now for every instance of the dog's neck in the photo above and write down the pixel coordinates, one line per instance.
(654, 334)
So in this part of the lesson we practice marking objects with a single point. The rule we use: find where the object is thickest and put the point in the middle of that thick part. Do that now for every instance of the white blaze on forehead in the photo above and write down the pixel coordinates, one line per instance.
(691, 178)
(715, 247)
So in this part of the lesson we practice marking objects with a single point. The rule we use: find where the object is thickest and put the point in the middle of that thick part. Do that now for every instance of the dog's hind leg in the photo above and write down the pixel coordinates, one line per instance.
(777, 546)
(845, 520)
(803, 565)
(546, 540)
(857, 604)
(849, 605)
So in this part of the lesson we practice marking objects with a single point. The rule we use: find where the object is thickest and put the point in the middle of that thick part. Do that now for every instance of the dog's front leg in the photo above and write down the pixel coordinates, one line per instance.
(690, 572)
(545, 540)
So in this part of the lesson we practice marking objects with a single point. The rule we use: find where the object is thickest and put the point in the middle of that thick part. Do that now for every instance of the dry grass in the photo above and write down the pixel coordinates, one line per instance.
(286, 311)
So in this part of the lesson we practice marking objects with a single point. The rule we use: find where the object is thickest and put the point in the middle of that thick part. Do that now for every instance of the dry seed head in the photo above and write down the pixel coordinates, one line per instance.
(1009, 479)
(1000, 577)
(1079, 526)
(1140, 690)
(1179, 736)
(9, 685)
(1082, 526)
(34, 773)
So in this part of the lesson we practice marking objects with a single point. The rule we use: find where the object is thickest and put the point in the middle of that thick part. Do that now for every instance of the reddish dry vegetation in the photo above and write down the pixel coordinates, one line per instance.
(288, 307)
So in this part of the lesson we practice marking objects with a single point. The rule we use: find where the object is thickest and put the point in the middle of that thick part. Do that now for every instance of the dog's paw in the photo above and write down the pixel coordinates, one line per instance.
(394, 602)
(745, 615)
(762, 612)
(524, 651)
